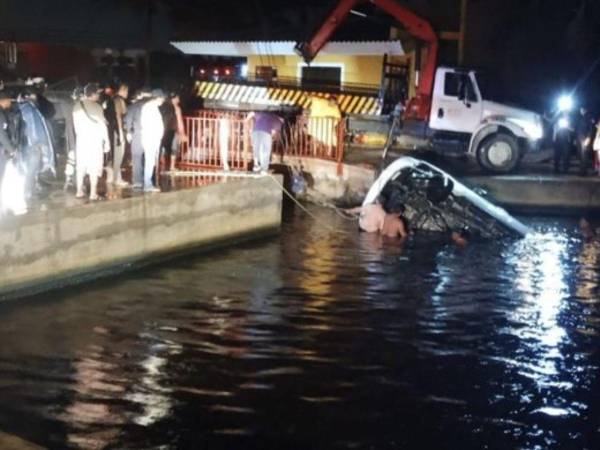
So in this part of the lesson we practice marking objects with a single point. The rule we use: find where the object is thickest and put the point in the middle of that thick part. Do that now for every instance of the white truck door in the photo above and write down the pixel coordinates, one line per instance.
(456, 104)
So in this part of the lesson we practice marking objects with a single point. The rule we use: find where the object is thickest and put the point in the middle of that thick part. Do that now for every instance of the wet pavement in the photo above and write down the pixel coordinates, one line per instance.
(55, 196)
(318, 339)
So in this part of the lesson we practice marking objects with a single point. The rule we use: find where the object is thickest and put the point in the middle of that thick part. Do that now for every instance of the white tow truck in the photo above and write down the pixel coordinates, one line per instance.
(449, 113)
(462, 121)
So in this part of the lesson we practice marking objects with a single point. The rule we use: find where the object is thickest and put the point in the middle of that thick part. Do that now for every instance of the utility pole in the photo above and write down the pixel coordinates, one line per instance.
(462, 32)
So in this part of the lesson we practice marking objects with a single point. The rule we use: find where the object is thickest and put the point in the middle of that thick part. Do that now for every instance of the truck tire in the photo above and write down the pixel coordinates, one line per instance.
(499, 153)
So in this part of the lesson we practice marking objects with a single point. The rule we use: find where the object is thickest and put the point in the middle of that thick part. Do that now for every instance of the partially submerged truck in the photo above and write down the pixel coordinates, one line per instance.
(449, 113)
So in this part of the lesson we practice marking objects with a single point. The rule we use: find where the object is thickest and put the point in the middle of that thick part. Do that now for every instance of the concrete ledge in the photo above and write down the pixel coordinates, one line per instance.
(42, 250)
(542, 194)
(348, 185)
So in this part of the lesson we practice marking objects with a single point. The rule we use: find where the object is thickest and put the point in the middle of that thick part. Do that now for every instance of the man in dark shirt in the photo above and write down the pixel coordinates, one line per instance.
(266, 126)
(584, 127)
(7, 148)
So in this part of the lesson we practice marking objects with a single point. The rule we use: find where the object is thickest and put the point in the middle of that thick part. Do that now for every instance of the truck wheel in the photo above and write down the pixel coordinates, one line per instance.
(499, 153)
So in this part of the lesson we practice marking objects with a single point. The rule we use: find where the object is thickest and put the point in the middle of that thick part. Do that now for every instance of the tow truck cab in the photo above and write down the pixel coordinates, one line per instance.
(462, 121)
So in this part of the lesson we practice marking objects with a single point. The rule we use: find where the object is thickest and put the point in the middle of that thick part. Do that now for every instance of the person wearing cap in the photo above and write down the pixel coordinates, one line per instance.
(153, 130)
(133, 132)
(92, 140)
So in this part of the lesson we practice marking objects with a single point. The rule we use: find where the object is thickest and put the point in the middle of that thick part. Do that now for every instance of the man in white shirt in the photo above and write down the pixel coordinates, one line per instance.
(92, 139)
(153, 129)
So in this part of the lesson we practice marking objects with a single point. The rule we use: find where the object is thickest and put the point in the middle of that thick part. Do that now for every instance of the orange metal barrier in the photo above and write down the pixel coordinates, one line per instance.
(213, 135)
(319, 137)
(216, 140)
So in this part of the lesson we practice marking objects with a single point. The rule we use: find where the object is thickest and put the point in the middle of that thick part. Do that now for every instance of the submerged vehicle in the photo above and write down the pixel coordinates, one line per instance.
(435, 201)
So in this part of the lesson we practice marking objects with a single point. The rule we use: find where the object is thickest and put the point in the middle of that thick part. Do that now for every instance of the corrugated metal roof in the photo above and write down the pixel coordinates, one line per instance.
(247, 48)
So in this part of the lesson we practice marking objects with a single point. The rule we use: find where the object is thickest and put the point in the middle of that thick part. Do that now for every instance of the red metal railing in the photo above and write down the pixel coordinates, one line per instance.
(214, 136)
(320, 137)
(216, 140)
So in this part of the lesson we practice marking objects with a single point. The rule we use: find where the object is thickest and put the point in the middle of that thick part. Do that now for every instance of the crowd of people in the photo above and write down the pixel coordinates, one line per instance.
(106, 123)
(26, 146)
(102, 124)
(576, 134)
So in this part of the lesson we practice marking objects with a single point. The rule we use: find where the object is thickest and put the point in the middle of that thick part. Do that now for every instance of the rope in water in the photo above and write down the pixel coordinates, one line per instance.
(303, 208)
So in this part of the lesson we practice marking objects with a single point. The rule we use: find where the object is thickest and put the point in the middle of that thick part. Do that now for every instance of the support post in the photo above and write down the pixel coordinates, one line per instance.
(462, 32)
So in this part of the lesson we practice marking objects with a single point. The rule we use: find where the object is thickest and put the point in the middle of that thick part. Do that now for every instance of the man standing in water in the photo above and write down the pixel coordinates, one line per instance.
(374, 219)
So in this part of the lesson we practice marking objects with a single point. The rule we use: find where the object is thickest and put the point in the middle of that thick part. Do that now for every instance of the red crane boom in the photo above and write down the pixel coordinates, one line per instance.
(418, 107)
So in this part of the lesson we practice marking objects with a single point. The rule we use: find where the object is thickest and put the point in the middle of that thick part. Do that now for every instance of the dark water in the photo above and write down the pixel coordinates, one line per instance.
(318, 339)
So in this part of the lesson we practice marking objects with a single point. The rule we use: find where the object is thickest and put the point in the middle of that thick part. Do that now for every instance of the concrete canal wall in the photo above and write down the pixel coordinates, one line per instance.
(45, 249)
(346, 184)
(542, 194)
(529, 194)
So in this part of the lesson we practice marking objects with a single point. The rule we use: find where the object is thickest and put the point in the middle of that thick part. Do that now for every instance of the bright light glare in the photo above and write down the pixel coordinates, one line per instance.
(565, 103)
(12, 197)
(563, 122)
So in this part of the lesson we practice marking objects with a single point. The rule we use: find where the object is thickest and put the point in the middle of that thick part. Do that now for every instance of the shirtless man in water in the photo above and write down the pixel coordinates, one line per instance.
(393, 226)
(374, 219)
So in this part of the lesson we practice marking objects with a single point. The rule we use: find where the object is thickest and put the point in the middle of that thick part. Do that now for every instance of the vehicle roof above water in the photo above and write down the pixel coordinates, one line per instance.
(459, 190)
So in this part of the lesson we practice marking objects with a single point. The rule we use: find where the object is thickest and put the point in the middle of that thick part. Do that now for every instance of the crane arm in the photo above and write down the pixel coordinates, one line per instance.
(414, 25)
(309, 50)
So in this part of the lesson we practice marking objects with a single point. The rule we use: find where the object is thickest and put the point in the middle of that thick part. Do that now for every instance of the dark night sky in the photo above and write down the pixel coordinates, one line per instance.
(530, 47)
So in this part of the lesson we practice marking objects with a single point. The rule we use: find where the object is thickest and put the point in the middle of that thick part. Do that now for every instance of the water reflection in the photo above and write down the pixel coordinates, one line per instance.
(540, 274)
(317, 339)
(95, 422)
(152, 393)
(543, 271)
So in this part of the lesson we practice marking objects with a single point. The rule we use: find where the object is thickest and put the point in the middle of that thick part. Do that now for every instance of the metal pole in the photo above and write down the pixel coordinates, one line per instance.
(462, 32)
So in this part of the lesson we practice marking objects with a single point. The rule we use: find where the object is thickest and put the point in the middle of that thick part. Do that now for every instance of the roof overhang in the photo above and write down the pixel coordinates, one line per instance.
(249, 48)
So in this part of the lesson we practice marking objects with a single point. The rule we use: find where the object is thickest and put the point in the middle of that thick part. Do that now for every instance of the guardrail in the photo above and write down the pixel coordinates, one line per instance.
(222, 140)
(319, 137)
(216, 140)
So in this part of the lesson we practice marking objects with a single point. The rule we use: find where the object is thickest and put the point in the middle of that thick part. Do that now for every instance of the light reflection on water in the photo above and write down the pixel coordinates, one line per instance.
(540, 273)
(318, 340)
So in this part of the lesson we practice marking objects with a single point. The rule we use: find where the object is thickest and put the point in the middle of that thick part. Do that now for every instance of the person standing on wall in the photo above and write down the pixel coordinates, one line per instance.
(120, 106)
(266, 126)
(174, 130)
(133, 132)
(7, 147)
(92, 140)
(106, 100)
(153, 129)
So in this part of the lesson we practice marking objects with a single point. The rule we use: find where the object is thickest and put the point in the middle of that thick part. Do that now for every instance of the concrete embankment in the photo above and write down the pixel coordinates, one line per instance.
(530, 194)
(328, 181)
(47, 249)
(542, 194)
